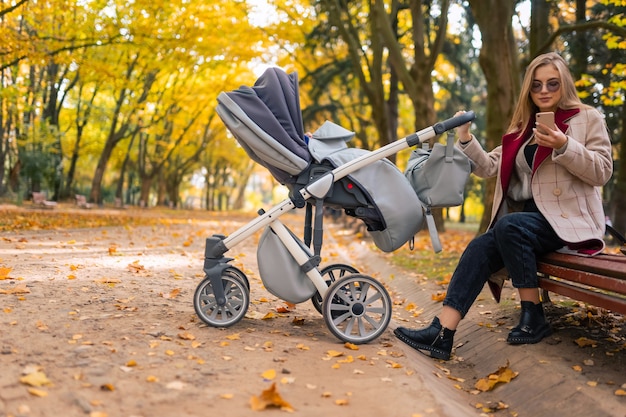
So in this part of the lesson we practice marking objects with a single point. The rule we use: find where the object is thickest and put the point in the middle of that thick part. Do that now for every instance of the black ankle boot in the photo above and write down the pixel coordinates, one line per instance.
(532, 326)
(436, 339)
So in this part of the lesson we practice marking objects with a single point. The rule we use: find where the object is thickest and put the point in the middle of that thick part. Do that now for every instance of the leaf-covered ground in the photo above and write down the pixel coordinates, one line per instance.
(97, 319)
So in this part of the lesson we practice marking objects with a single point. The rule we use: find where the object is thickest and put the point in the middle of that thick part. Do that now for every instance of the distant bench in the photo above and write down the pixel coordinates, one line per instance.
(81, 201)
(599, 280)
(39, 200)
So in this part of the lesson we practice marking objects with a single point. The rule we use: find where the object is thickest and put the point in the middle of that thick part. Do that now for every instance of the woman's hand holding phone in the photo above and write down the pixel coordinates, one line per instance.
(547, 119)
(546, 133)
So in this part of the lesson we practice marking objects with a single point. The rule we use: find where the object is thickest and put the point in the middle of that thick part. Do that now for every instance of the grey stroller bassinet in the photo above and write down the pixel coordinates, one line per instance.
(320, 171)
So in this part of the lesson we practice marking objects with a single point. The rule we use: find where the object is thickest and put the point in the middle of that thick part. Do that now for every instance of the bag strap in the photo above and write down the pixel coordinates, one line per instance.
(450, 147)
(432, 230)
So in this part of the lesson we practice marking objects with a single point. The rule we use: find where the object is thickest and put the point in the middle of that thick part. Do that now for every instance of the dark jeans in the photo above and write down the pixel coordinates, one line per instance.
(514, 242)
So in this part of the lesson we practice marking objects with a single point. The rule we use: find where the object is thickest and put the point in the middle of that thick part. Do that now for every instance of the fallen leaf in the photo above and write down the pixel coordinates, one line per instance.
(109, 281)
(18, 289)
(4, 272)
(135, 267)
(37, 392)
(269, 315)
(35, 379)
(491, 407)
(503, 375)
(439, 296)
(186, 336)
(270, 398)
(269, 374)
(583, 342)
(173, 294)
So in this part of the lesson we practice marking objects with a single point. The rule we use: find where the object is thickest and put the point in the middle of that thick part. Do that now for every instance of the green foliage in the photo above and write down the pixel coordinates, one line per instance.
(143, 77)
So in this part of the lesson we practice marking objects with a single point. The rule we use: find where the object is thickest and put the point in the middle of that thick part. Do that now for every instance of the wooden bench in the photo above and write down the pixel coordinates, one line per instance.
(39, 200)
(598, 280)
(81, 201)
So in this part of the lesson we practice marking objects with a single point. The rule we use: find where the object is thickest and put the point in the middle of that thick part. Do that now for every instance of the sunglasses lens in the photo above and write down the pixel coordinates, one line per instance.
(551, 86)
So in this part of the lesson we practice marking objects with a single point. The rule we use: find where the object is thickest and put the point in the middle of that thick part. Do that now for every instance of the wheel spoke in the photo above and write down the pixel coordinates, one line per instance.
(373, 298)
(375, 323)
(363, 289)
(350, 325)
(362, 330)
(343, 296)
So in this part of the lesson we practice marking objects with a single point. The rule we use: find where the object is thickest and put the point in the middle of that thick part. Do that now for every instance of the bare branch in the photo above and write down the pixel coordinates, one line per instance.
(582, 27)
(12, 8)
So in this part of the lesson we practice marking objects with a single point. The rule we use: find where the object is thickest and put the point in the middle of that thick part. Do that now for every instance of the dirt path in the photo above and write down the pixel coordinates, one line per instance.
(100, 322)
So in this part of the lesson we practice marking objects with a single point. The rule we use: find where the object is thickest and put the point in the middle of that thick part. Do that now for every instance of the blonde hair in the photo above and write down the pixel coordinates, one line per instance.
(525, 108)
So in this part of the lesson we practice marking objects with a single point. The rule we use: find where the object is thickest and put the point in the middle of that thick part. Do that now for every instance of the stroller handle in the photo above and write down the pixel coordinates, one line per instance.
(453, 122)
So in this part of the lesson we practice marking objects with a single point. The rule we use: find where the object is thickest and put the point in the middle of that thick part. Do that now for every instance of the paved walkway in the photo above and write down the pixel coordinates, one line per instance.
(556, 376)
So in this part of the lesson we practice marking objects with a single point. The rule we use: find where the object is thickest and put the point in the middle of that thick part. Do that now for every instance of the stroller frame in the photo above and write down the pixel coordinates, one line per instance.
(355, 307)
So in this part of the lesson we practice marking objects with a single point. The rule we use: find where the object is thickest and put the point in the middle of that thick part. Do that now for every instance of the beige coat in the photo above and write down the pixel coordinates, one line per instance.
(566, 187)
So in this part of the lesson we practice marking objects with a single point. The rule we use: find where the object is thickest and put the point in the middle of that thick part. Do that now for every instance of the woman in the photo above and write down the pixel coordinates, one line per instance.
(547, 198)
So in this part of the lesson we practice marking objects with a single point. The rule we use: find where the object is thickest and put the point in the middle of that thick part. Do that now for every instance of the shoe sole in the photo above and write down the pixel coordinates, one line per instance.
(527, 340)
(434, 352)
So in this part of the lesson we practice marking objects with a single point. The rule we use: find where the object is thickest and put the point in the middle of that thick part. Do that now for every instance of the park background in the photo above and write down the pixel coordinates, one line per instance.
(115, 99)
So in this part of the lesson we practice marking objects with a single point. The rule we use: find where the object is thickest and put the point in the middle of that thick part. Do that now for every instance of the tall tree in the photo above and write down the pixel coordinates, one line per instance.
(499, 62)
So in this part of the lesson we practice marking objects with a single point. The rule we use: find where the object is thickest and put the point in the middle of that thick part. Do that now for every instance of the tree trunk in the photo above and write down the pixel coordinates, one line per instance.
(499, 62)
(539, 25)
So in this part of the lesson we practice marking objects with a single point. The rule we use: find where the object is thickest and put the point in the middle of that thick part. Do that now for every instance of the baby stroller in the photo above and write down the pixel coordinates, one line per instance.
(319, 171)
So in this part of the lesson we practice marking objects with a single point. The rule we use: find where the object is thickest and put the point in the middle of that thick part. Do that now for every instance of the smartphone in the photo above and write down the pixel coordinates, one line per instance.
(547, 118)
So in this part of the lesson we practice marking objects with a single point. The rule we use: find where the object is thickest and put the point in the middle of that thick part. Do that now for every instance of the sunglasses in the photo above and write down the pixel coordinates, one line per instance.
(552, 86)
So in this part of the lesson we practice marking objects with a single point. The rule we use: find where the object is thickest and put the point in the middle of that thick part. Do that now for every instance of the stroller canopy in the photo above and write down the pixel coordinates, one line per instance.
(267, 122)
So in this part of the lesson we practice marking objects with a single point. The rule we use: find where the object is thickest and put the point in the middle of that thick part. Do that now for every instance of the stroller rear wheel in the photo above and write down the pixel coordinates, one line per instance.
(237, 293)
(331, 273)
(357, 308)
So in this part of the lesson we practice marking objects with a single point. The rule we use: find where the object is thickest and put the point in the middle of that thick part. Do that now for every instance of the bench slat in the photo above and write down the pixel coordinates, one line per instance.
(610, 302)
(603, 282)
(603, 264)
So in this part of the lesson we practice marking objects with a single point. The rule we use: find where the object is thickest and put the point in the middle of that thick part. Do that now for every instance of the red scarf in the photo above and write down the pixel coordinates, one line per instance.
(511, 145)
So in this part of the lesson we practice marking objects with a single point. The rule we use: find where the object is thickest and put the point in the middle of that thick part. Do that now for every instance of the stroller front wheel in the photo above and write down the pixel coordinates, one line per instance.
(236, 292)
(357, 308)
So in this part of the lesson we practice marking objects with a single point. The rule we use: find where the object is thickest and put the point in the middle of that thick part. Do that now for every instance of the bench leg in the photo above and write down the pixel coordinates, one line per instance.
(544, 296)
